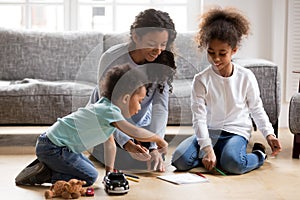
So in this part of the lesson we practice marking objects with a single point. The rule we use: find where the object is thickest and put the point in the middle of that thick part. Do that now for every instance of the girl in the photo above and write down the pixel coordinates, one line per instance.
(223, 97)
(59, 150)
(152, 35)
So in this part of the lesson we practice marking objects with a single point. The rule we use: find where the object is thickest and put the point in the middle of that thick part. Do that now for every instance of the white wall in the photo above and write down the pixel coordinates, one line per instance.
(268, 38)
(279, 41)
(259, 12)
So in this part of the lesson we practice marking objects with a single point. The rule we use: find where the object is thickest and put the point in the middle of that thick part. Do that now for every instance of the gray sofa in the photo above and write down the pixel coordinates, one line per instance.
(294, 122)
(48, 75)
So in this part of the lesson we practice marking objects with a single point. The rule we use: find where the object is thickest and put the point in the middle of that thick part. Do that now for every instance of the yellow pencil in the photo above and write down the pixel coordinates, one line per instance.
(132, 179)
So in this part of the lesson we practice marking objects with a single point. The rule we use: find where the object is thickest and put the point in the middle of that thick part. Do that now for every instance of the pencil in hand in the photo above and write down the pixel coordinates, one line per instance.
(218, 171)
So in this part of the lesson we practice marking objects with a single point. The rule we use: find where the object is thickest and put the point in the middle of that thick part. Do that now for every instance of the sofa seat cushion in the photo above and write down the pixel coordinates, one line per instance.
(180, 103)
(33, 101)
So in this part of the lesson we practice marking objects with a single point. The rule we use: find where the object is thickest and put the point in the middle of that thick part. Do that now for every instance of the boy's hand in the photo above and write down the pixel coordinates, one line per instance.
(161, 143)
(162, 146)
(163, 150)
(137, 151)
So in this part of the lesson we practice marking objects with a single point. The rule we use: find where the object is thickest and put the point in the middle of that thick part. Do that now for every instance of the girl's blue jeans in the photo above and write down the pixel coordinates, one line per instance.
(64, 163)
(230, 150)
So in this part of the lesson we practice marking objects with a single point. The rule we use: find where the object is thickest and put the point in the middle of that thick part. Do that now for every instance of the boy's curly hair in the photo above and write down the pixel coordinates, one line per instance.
(121, 80)
(228, 25)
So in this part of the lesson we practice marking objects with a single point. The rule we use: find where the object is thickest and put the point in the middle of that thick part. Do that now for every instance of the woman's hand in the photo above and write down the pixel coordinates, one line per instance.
(274, 144)
(156, 162)
(209, 160)
(137, 151)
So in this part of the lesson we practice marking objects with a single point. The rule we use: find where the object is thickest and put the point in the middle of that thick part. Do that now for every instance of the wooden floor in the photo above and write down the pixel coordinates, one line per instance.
(278, 178)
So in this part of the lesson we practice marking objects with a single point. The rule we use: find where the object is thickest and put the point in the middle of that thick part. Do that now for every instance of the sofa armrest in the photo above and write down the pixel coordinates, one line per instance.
(294, 114)
(267, 75)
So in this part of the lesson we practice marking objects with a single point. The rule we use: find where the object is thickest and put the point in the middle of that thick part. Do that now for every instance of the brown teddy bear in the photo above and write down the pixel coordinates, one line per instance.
(68, 190)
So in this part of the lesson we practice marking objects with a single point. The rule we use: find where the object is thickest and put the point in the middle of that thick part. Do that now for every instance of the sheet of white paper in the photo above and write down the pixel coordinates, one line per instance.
(183, 178)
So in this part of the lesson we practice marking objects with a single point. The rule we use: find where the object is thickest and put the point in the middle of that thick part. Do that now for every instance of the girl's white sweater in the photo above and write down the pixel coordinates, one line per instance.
(226, 103)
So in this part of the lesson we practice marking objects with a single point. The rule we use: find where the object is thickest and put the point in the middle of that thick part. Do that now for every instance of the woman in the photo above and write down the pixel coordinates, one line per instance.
(152, 35)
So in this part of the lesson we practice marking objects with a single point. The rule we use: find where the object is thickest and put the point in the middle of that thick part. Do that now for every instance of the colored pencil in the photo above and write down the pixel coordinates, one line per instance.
(222, 173)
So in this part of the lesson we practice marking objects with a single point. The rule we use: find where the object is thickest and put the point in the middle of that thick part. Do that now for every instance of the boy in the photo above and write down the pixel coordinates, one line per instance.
(59, 149)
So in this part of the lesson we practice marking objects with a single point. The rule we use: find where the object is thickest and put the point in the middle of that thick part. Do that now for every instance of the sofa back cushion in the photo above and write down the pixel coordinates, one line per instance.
(111, 39)
(189, 59)
(49, 56)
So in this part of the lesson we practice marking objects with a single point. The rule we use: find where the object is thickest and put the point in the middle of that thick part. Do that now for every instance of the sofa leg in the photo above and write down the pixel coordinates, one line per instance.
(296, 147)
(275, 127)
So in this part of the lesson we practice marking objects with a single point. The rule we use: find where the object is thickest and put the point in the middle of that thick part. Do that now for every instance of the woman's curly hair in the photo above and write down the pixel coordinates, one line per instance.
(228, 25)
(155, 20)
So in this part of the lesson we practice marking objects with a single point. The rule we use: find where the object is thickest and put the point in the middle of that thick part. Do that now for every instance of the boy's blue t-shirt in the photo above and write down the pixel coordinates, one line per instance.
(87, 127)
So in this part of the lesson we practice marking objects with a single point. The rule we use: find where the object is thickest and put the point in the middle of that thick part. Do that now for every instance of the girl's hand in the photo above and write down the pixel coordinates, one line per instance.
(274, 144)
(209, 160)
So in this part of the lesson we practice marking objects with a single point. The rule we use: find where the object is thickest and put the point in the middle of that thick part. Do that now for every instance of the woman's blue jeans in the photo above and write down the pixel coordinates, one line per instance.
(230, 150)
(64, 163)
